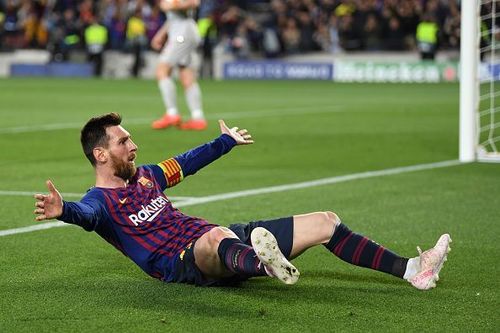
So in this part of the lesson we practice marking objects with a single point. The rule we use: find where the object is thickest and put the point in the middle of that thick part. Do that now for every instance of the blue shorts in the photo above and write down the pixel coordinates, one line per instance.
(186, 270)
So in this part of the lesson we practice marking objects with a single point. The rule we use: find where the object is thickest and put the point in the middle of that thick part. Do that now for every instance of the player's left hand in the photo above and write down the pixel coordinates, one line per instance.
(241, 136)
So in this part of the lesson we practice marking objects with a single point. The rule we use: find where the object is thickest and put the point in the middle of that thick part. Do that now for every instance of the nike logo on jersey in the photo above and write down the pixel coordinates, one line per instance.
(149, 212)
(122, 201)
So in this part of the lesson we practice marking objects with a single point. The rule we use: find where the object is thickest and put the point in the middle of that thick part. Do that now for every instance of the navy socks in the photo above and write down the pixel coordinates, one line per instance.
(240, 258)
(360, 251)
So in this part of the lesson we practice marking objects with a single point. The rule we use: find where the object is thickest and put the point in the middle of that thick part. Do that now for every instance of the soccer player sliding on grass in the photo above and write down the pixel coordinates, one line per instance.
(127, 207)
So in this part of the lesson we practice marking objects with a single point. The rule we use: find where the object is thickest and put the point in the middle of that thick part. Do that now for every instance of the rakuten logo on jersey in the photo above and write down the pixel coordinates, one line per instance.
(149, 212)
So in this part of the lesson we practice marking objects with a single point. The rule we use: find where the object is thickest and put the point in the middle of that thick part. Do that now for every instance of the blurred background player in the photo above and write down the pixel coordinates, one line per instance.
(183, 38)
(96, 38)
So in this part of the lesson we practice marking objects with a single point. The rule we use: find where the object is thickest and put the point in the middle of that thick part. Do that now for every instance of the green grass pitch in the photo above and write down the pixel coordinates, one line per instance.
(67, 280)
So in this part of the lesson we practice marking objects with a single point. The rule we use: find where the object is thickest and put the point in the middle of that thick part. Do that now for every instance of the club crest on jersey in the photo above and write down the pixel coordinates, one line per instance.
(145, 182)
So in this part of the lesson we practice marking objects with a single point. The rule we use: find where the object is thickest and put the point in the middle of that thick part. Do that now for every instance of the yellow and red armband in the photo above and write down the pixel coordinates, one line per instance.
(172, 171)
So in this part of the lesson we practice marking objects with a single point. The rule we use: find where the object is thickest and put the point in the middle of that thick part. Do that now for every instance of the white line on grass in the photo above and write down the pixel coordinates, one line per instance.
(315, 109)
(30, 194)
(318, 182)
(271, 189)
(73, 195)
(40, 226)
(225, 115)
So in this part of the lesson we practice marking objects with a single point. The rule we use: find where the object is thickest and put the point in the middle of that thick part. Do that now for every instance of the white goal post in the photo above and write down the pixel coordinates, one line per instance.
(480, 81)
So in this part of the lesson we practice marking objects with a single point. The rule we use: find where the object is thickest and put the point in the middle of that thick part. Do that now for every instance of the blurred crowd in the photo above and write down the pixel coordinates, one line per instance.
(298, 26)
(247, 28)
(63, 25)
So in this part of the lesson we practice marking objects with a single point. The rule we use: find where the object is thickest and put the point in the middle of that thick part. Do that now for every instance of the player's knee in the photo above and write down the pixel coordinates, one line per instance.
(160, 75)
(187, 79)
(332, 218)
(162, 72)
(327, 221)
(186, 84)
(217, 234)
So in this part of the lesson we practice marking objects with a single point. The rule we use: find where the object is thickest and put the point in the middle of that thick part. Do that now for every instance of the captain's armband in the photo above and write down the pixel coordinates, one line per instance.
(172, 171)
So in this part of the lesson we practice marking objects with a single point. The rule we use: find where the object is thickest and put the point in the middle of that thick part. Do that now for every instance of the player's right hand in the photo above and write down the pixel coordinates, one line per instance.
(156, 43)
(48, 206)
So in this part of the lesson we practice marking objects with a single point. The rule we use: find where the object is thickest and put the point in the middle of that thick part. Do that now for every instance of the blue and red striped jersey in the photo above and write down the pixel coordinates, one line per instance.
(139, 220)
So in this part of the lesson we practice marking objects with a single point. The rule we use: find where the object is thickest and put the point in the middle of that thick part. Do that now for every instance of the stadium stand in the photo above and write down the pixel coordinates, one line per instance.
(247, 28)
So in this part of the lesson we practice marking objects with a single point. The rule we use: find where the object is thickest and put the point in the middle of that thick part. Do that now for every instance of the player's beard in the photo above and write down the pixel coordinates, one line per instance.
(123, 169)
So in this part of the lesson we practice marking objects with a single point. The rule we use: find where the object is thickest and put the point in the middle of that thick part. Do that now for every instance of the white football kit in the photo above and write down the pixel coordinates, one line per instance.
(183, 38)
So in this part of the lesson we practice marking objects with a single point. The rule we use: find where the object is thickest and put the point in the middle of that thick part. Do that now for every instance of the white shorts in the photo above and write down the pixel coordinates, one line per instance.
(183, 39)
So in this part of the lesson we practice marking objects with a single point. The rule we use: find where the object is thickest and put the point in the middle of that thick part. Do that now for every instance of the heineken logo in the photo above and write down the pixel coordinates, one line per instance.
(410, 72)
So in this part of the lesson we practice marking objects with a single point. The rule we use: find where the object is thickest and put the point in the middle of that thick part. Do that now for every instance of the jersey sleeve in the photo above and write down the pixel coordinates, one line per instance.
(173, 170)
(87, 213)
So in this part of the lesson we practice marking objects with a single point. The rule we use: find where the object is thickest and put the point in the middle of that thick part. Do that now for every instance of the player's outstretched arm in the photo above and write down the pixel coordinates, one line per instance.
(48, 206)
(242, 137)
(176, 169)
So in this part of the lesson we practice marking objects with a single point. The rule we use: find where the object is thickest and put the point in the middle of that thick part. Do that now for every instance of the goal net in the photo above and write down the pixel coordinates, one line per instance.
(480, 81)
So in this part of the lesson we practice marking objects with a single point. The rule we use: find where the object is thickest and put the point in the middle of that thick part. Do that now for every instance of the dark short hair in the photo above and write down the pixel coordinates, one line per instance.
(94, 133)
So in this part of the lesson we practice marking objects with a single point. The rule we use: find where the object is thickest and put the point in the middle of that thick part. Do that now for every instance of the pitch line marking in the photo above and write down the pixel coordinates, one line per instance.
(318, 109)
(40, 226)
(30, 194)
(318, 182)
(142, 121)
(271, 189)
(74, 195)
